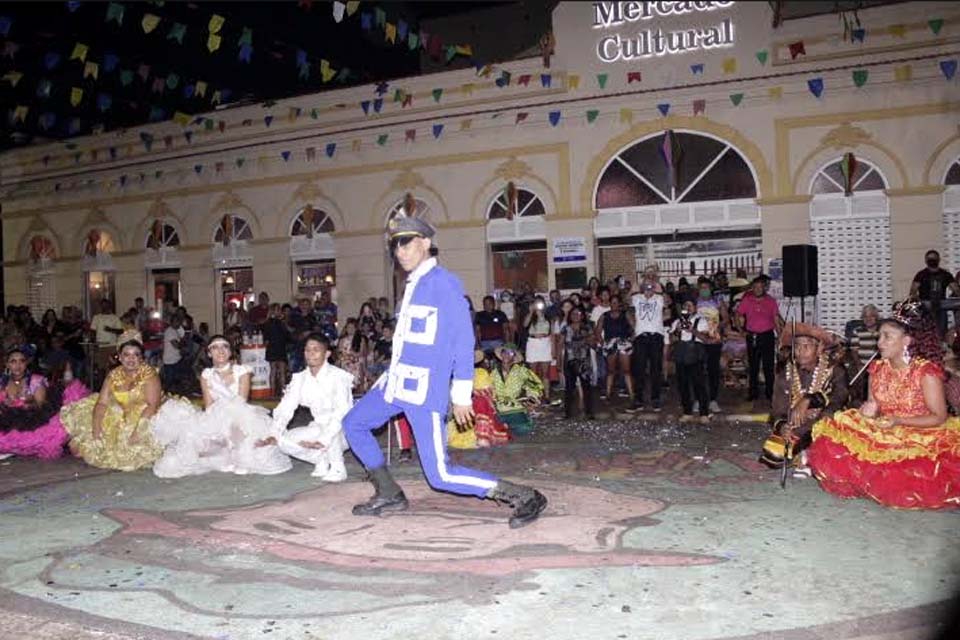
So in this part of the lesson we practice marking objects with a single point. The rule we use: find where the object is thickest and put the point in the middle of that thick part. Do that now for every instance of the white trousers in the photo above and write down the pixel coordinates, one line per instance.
(328, 460)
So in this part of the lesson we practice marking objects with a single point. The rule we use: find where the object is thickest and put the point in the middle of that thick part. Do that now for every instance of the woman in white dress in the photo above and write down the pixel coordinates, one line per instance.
(222, 437)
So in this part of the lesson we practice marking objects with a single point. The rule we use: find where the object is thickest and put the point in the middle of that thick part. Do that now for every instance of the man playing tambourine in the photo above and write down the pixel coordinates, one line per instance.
(810, 386)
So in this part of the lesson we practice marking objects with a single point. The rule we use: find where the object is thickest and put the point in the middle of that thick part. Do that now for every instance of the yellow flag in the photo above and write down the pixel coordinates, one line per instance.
(466, 124)
(181, 118)
(626, 116)
(91, 69)
(76, 95)
(356, 143)
(468, 88)
(13, 77)
(730, 65)
(201, 89)
(216, 99)
(213, 42)
(352, 7)
(390, 33)
(149, 22)
(326, 73)
(464, 50)
(898, 30)
(903, 74)
(573, 81)
(79, 52)
(775, 93)
(216, 23)
(20, 113)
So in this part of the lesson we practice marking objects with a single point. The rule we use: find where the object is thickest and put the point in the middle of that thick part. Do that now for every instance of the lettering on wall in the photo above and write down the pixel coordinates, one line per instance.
(654, 40)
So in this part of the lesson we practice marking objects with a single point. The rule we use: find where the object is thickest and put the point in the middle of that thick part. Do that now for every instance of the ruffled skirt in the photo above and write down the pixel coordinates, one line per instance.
(488, 430)
(221, 438)
(900, 466)
(38, 431)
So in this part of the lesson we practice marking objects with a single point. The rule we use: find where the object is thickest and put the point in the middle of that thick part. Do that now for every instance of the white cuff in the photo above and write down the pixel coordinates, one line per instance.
(461, 392)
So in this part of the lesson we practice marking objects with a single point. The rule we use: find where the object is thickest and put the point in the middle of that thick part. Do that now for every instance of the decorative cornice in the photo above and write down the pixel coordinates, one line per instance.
(512, 169)
(407, 180)
(228, 202)
(846, 135)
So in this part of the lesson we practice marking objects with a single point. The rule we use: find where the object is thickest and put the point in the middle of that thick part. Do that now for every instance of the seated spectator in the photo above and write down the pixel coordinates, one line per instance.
(487, 429)
(380, 353)
(864, 335)
(515, 389)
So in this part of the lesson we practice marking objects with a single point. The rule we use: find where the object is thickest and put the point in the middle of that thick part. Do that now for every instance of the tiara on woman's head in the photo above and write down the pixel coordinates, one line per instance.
(908, 312)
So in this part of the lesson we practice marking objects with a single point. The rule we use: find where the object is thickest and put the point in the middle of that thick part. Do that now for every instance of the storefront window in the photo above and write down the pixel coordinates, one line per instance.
(316, 277)
(236, 286)
(99, 286)
(520, 264)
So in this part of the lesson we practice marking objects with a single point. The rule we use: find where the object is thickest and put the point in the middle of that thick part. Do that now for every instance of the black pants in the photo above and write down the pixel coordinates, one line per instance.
(760, 346)
(647, 352)
(574, 370)
(692, 385)
(713, 352)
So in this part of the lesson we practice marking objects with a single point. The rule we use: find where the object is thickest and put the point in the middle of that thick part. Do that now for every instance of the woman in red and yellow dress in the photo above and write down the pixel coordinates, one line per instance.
(900, 448)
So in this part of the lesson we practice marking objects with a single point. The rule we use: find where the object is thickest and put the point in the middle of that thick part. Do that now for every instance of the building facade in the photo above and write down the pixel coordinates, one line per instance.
(691, 135)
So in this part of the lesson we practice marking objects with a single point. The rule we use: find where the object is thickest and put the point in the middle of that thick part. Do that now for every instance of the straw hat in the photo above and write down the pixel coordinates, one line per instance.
(517, 354)
(804, 330)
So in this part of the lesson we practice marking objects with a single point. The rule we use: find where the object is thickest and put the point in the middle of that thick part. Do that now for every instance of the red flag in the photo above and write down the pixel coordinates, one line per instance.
(521, 117)
(524, 79)
(411, 135)
(633, 76)
(699, 106)
(797, 49)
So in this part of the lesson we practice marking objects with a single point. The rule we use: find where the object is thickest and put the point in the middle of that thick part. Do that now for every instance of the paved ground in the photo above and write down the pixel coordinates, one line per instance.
(654, 531)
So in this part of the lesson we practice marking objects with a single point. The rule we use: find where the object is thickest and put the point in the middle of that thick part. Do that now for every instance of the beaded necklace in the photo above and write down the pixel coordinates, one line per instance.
(818, 381)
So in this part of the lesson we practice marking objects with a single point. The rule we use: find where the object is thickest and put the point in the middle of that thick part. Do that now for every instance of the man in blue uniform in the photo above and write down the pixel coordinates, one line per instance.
(433, 344)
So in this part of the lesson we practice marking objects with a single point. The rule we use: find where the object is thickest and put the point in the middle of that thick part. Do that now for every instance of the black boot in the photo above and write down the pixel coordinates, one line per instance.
(569, 397)
(387, 496)
(588, 400)
(527, 502)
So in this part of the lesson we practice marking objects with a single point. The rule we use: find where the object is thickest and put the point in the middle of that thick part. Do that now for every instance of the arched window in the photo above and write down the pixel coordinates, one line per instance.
(41, 281)
(673, 167)
(675, 180)
(232, 228)
(527, 204)
(98, 242)
(162, 235)
(41, 249)
(951, 215)
(315, 221)
(852, 235)
(420, 209)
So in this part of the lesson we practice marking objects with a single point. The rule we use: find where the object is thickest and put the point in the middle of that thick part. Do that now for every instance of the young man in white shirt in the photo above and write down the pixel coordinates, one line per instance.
(327, 391)
(647, 344)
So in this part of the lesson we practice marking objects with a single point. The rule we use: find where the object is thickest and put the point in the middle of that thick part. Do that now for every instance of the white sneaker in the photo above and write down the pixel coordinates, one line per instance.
(4, 456)
(714, 407)
(335, 476)
(320, 471)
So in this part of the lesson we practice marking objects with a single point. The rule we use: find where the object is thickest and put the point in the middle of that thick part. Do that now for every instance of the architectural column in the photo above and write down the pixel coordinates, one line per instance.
(198, 284)
(916, 226)
(783, 221)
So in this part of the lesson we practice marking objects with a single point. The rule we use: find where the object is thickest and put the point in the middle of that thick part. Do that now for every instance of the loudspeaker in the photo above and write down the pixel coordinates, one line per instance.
(800, 271)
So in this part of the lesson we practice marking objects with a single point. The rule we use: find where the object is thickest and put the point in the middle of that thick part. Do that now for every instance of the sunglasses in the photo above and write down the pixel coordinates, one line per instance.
(400, 242)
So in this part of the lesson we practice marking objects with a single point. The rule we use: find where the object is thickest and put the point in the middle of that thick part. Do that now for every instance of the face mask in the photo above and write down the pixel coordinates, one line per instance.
(704, 294)
(933, 263)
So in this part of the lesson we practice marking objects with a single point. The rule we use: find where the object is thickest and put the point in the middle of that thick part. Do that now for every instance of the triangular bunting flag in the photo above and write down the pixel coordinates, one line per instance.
(521, 116)
(126, 77)
(240, 162)
(355, 145)
(149, 22)
(104, 101)
(285, 155)
(797, 49)
(380, 16)
(110, 62)
(180, 118)
(51, 60)
(602, 80)
(365, 105)
(663, 108)
(76, 95)
(503, 80)
(729, 65)
(245, 53)
(197, 168)
(413, 41)
(407, 100)
(696, 69)
(366, 21)
(736, 99)
(860, 77)
(903, 73)
(762, 56)
(390, 33)
(467, 89)
(338, 10)
(352, 7)
(172, 81)
(382, 139)
(857, 35)
(144, 72)
(573, 81)
(115, 12)
(545, 80)
(188, 136)
(437, 130)
(215, 24)
(626, 116)
(524, 80)
(948, 68)
(554, 118)
(592, 115)
(816, 86)
(935, 25)
(213, 42)
(897, 30)
(218, 167)
(13, 77)
(699, 106)
(79, 52)
(466, 124)
(634, 76)
(176, 32)
(437, 93)
(378, 104)
(146, 139)
(410, 135)
(775, 93)
(330, 149)
(267, 120)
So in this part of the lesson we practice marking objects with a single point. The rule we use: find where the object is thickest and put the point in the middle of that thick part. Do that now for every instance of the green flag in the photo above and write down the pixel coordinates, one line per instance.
(860, 77)
(436, 94)
(935, 25)
(382, 139)
(602, 80)
(736, 98)
(592, 114)
(177, 31)
(762, 56)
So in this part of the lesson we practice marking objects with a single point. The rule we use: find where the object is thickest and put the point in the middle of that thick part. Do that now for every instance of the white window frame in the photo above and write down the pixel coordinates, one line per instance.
(523, 227)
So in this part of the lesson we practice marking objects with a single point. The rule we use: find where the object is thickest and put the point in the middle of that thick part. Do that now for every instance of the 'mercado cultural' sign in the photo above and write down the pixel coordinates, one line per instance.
(653, 40)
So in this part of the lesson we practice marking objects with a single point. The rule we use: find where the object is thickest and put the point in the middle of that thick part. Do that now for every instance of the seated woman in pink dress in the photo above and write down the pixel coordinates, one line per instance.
(29, 409)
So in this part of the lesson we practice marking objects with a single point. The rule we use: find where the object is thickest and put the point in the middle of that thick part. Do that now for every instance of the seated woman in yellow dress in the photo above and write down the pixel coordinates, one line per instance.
(487, 429)
(899, 448)
(112, 430)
